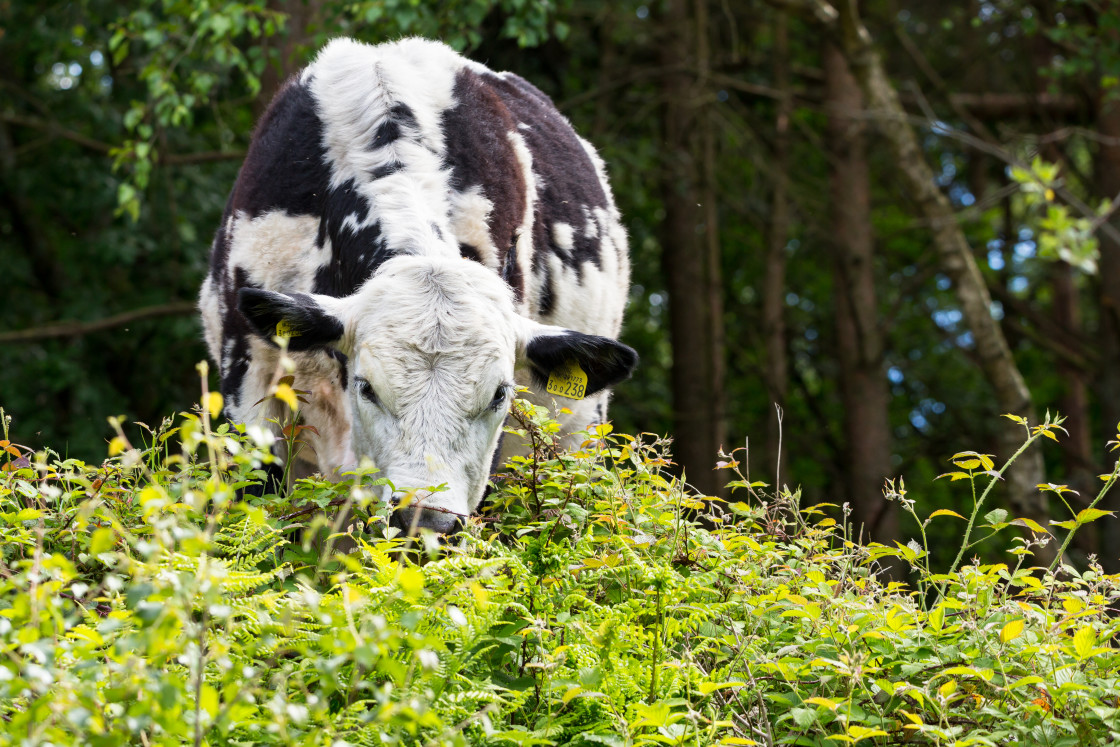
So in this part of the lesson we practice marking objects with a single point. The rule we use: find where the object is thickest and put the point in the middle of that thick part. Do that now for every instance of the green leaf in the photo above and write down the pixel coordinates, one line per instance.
(1011, 631)
(1084, 641)
(996, 516)
(1091, 514)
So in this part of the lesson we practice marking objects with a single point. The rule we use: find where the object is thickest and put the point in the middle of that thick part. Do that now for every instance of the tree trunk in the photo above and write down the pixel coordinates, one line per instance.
(774, 289)
(863, 381)
(1108, 332)
(957, 261)
(691, 274)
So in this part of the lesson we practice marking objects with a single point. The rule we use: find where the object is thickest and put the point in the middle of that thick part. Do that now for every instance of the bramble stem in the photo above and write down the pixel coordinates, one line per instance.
(1069, 536)
(983, 496)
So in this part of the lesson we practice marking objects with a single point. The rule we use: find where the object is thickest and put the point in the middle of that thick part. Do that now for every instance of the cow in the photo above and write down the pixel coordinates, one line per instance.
(427, 235)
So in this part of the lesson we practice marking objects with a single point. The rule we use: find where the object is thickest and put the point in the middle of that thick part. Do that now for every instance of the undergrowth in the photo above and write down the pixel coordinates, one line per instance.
(152, 600)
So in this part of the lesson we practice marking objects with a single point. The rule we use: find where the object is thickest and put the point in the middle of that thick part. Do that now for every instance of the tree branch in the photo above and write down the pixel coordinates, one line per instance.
(77, 329)
(170, 159)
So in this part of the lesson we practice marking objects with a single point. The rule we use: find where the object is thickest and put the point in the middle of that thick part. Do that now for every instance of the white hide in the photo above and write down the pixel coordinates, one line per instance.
(418, 74)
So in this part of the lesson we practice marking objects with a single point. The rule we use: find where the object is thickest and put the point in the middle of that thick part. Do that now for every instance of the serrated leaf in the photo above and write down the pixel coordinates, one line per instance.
(945, 512)
(829, 704)
(1011, 631)
(1030, 524)
(996, 516)
(1083, 641)
(1091, 514)
(859, 733)
(954, 476)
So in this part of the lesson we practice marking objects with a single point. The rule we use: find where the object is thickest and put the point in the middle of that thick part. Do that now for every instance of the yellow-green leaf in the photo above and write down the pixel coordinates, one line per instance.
(287, 395)
(945, 512)
(214, 403)
(1083, 641)
(117, 445)
(571, 692)
(1091, 514)
(1011, 631)
(1030, 524)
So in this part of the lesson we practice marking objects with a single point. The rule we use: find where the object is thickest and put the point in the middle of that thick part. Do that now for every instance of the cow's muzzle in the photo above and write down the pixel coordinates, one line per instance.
(411, 519)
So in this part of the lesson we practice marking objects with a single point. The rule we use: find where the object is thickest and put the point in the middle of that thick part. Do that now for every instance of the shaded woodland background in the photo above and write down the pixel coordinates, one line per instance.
(893, 221)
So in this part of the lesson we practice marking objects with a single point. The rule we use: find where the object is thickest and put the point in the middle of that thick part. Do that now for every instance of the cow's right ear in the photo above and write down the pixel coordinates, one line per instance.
(308, 321)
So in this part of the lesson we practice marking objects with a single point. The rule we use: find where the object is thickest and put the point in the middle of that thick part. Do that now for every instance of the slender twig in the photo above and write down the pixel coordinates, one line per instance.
(78, 329)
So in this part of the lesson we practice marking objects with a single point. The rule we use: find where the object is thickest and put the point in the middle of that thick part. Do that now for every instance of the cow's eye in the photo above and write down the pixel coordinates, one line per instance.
(499, 398)
(366, 390)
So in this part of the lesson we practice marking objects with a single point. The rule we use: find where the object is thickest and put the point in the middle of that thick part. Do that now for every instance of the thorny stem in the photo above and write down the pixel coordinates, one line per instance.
(983, 496)
(1069, 536)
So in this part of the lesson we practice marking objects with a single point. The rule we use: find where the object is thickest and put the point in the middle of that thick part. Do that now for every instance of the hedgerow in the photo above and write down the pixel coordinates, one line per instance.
(152, 599)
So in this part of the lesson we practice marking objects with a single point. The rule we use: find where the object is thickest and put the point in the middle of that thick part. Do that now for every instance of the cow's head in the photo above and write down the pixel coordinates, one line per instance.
(432, 347)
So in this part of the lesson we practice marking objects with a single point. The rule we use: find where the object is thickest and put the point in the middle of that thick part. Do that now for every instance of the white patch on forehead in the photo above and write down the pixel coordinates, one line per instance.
(276, 250)
(470, 215)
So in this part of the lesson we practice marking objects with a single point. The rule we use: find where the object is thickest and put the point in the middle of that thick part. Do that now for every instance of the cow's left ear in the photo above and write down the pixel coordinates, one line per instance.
(308, 321)
(546, 349)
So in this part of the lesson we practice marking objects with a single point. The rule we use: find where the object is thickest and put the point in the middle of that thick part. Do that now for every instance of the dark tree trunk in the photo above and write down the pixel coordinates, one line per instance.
(774, 289)
(688, 253)
(955, 258)
(1108, 333)
(863, 381)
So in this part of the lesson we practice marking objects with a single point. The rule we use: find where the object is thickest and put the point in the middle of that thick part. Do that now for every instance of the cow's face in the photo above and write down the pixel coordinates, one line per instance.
(432, 347)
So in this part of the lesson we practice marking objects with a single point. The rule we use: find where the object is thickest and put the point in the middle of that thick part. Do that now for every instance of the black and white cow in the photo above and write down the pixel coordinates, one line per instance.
(428, 233)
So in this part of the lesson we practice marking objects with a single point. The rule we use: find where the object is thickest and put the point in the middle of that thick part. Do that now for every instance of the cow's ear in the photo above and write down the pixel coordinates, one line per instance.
(550, 350)
(308, 321)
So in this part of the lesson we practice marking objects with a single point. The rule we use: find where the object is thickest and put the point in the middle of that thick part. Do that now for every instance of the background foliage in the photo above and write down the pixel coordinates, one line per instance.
(121, 133)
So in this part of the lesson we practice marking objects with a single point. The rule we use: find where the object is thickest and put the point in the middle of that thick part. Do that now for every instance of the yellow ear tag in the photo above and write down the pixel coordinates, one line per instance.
(567, 380)
(284, 329)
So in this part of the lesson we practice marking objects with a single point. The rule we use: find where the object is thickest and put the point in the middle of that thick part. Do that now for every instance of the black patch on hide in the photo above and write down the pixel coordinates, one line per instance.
(355, 253)
(286, 167)
(567, 182)
(387, 170)
(479, 154)
(399, 122)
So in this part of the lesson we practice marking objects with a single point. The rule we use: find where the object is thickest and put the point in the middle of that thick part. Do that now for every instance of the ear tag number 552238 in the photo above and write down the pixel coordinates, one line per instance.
(568, 380)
